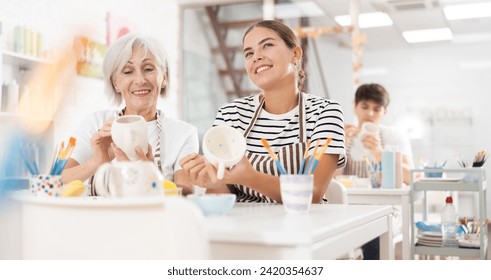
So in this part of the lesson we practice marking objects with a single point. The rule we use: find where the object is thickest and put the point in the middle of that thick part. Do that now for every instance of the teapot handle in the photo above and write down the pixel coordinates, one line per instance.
(102, 180)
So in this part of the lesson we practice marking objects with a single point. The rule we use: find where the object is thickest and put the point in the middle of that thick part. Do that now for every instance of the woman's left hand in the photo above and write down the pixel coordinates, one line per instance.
(121, 156)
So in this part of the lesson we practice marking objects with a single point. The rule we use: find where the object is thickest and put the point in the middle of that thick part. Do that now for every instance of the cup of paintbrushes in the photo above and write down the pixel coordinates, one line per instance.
(296, 192)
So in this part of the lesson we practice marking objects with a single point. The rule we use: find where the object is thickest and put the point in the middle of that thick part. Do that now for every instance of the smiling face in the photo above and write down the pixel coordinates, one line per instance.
(139, 81)
(270, 63)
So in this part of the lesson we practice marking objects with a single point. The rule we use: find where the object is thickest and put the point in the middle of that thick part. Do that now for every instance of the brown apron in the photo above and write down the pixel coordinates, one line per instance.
(290, 156)
(358, 167)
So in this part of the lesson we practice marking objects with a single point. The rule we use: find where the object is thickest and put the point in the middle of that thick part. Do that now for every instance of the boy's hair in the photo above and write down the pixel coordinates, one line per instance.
(372, 92)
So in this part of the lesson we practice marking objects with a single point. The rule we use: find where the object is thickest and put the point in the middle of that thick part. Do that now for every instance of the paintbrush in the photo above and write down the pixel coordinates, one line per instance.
(313, 164)
(273, 156)
(302, 163)
(308, 161)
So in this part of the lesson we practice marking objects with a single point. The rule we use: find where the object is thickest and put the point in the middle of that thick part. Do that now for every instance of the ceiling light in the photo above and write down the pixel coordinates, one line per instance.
(472, 38)
(366, 20)
(297, 10)
(467, 11)
(427, 35)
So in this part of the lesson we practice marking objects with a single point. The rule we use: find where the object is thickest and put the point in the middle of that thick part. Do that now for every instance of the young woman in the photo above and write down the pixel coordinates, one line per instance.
(135, 71)
(282, 114)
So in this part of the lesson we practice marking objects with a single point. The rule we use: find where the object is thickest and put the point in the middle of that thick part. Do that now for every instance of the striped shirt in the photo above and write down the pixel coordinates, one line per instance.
(324, 119)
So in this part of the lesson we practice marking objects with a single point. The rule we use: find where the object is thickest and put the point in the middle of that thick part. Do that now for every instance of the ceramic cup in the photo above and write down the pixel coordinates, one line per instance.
(129, 132)
(296, 193)
(357, 150)
(46, 185)
(223, 146)
(128, 179)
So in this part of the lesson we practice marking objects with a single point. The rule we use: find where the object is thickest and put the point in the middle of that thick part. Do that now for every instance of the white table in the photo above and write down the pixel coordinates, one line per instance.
(101, 228)
(388, 197)
(265, 231)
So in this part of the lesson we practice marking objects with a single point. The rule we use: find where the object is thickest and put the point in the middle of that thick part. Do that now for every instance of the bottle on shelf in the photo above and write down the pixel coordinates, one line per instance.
(13, 97)
(449, 224)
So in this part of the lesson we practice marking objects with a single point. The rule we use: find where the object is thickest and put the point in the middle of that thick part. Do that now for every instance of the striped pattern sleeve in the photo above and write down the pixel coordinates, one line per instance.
(325, 120)
(237, 114)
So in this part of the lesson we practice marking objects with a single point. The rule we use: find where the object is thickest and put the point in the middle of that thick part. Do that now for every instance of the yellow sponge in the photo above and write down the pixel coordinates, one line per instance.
(73, 189)
(169, 185)
(170, 188)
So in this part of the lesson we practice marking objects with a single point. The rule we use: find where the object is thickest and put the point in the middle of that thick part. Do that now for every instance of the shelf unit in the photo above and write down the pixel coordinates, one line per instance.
(473, 180)
(18, 66)
(23, 61)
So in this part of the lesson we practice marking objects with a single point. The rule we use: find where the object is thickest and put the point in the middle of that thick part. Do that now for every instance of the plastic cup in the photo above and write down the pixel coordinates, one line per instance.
(46, 185)
(296, 193)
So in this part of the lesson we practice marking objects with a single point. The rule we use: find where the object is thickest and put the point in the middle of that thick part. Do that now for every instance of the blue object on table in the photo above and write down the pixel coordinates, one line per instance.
(434, 227)
(388, 170)
(429, 227)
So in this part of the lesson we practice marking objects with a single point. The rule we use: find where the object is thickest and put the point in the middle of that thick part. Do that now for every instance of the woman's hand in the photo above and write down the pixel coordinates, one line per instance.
(239, 174)
(101, 144)
(121, 156)
(202, 173)
(195, 167)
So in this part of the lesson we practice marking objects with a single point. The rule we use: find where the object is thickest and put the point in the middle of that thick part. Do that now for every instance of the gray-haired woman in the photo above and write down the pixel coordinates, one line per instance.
(136, 73)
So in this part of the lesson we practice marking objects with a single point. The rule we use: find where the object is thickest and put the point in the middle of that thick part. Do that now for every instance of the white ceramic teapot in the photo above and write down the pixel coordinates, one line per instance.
(128, 179)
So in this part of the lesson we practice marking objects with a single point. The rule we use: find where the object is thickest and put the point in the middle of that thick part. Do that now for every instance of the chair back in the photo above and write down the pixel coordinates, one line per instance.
(336, 193)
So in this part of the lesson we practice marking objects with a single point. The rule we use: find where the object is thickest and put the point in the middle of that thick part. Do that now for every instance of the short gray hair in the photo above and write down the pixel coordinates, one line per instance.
(120, 52)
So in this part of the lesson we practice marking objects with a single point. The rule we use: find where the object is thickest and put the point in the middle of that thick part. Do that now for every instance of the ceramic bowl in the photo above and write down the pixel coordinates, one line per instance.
(214, 204)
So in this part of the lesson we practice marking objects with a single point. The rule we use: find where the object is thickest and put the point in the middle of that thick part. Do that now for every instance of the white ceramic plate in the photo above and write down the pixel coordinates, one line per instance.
(429, 180)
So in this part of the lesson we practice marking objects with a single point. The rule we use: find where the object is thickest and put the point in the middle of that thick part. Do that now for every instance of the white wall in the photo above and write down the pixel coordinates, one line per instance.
(449, 84)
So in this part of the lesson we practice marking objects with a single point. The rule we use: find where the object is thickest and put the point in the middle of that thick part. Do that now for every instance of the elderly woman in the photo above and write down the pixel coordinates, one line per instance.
(135, 74)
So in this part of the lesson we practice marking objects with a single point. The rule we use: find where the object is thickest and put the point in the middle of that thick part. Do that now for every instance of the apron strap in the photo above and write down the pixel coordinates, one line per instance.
(301, 118)
(256, 115)
(158, 152)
